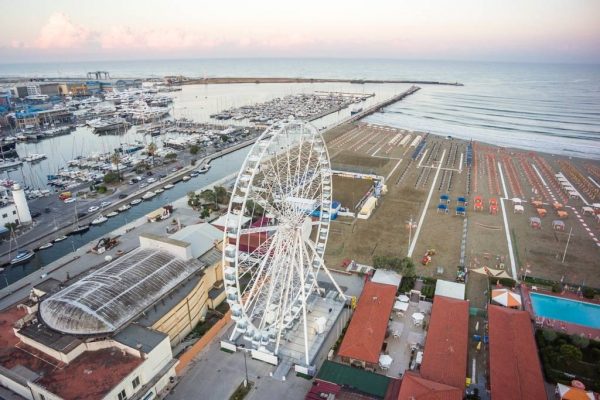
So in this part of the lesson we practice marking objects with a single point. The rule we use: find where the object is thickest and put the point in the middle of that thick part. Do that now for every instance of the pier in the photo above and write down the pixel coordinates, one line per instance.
(380, 106)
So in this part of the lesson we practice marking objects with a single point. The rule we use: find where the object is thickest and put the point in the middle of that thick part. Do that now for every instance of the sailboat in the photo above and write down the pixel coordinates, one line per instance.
(22, 255)
(79, 229)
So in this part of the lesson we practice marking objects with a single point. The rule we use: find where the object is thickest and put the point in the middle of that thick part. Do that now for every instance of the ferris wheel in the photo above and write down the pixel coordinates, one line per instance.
(276, 234)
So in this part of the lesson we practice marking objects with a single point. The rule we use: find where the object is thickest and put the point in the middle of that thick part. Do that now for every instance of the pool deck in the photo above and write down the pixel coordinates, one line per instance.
(561, 326)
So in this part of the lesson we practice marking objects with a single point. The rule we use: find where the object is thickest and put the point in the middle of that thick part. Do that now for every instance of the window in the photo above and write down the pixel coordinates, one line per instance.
(4, 215)
(14, 213)
(122, 395)
(136, 382)
(42, 397)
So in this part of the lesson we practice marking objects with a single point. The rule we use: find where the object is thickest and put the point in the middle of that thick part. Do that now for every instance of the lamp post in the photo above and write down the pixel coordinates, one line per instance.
(243, 346)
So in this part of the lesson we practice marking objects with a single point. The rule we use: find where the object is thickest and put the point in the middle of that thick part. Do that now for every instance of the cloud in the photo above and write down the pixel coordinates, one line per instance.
(59, 32)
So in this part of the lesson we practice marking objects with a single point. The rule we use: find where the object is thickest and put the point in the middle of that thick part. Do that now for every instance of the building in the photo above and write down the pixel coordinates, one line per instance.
(33, 89)
(345, 382)
(365, 335)
(8, 215)
(444, 367)
(453, 290)
(387, 277)
(106, 338)
(21, 205)
(515, 369)
(415, 387)
(446, 343)
(48, 88)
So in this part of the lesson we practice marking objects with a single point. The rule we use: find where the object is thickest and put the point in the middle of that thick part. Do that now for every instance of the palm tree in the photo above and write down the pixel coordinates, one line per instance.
(152, 150)
(115, 158)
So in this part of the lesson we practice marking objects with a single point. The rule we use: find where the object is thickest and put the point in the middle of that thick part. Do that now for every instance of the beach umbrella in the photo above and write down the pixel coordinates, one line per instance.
(418, 317)
(573, 393)
(506, 298)
(385, 360)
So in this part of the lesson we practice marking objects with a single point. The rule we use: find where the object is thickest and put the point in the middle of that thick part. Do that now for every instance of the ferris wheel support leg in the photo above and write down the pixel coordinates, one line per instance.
(328, 272)
(304, 300)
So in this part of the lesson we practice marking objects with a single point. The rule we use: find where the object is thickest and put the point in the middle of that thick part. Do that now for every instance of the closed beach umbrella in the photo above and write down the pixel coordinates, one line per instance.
(506, 298)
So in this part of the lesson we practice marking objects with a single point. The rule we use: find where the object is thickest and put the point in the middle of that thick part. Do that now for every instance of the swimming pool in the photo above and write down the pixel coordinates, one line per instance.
(573, 311)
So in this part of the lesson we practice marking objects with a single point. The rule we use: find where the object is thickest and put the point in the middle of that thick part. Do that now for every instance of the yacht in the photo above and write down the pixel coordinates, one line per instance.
(60, 239)
(100, 220)
(46, 246)
(124, 207)
(148, 195)
(136, 202)
(22, 256)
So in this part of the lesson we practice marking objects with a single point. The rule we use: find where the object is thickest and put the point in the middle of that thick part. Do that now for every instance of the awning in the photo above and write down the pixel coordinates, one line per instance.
(572, 393)
(400, 306)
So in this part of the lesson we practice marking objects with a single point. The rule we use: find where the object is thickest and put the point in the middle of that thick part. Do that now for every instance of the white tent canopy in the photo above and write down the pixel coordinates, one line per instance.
(400, 306)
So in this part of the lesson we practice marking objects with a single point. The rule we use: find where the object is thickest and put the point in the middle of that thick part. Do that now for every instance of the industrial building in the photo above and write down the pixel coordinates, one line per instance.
(109, 335)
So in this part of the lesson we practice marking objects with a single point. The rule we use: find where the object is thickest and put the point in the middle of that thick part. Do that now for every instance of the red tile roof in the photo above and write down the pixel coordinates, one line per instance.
(367, 329)
(445, 354)
(415, 387)
(515, 370)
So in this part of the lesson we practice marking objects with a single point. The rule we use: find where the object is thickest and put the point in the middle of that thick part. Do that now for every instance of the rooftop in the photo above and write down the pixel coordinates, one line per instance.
(515, 370)
(139, 337)
(90, 376)
(357, 379)
(446, 343)
(414, 387)
(49, 285)
(368, 326)
(202, 237)
(108, 298)
(387, 277)
(453, 290)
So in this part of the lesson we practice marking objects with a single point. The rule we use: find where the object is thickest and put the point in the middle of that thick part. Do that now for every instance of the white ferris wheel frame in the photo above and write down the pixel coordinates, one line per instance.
(285, 266)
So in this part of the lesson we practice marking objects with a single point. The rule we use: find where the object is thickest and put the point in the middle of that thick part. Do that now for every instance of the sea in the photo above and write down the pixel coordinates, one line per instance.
(553, 108)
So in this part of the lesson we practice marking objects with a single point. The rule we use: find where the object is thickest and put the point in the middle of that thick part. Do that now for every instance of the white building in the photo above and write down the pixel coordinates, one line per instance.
(8, 214)
(21, 204)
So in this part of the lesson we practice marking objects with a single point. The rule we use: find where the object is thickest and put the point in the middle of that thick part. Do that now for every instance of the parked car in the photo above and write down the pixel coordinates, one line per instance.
(70, 200)
(123, 195)
(93, 209)
(105, 204)
(151, 180)
(35, 214)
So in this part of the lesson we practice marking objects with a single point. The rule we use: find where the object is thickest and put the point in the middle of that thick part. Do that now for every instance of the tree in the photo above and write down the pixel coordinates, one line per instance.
(151, 149)
(193, 199)
(580, 341)
(208, 196)
(115, 158)
(255, 208)
(221, 195)
(111, 177)
(404, 266)
(549, 335)
(171, 157)
(570, 353)
(194, 149)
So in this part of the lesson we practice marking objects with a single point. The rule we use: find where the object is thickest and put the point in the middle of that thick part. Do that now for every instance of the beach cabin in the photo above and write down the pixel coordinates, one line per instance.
(519, 209)
(541, 212)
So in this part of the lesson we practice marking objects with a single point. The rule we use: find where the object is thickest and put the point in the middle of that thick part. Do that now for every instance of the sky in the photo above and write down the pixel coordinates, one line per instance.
(471, 30)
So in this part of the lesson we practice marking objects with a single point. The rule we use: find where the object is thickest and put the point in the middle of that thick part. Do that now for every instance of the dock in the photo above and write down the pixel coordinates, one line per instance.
(380, 106)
